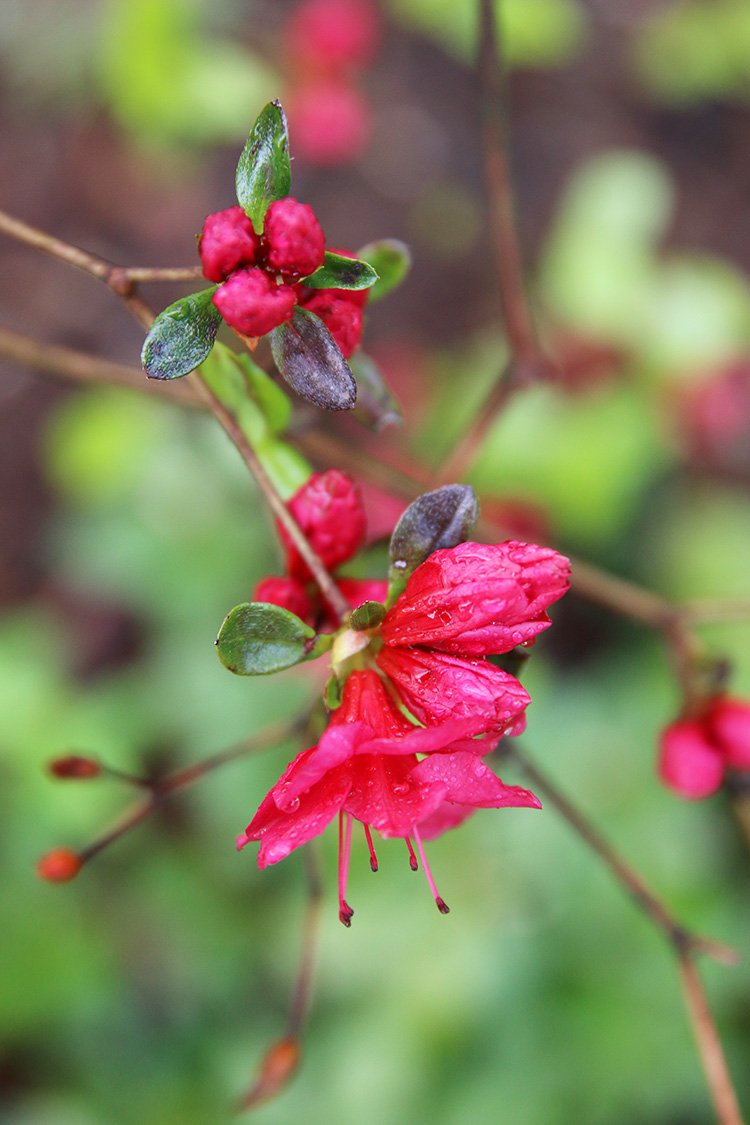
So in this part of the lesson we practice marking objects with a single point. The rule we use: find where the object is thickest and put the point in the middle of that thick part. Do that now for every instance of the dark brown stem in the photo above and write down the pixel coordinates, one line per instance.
(326, 584)
(180, 779)
(516, 315)
(121, 281)
(710, 1049)
(678, 936)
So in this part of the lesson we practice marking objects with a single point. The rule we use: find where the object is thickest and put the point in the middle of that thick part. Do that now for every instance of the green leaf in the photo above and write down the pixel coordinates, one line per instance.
(182, 336)
(264, 172)
(340, 272)
(367, 616)
(310, 360)
(391, 260)
(442, 518)
(376, 406)
(257, 638)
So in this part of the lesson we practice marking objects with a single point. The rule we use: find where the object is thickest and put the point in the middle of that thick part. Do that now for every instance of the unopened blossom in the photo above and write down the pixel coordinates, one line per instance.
(228, 243)
(252, 303)
(461, 605)
(695, 752)
(293, 243)
(366, 767)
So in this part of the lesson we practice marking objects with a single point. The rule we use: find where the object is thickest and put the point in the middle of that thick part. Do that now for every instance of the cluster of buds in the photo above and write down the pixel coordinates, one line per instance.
(258, 275)
(330, 512)
(695, 753)
(327, 44)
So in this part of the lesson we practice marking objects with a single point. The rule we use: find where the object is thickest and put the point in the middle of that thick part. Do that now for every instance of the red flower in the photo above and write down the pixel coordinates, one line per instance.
(365, 767)
(333, 35)
(464, 602)
(694, 754)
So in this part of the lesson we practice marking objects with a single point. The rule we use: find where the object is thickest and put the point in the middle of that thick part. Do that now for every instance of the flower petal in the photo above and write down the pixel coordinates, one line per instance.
(280, 832)
(477, 599)
(469, 781)
(446, 816)
(437, 687)
(386, 794)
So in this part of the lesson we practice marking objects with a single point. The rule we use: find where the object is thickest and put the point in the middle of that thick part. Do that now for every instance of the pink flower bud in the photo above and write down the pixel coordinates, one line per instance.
(341, 316)
(729, 723)
(330, 122)
(328, 508)
(293, 241)
(252, 303)
(227, 243)
(289, 594)
(331, 35)
(689, 762)
(59, 866)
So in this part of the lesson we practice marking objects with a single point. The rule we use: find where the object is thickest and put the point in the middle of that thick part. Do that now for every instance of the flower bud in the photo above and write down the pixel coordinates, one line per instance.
(252, 303)
(74, 767)
(289, 594)
(331, 121)
(729, 723)
(228, 242)
(329, 510)
(689, 761)
(276, 1069)
(333, 35)
(59, 866)
(341, 316)
(293, 240)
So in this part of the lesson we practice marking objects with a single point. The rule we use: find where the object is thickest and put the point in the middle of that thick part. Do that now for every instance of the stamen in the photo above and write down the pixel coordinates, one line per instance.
(373, 857)
(345, 842)
(412, 858)
(439, 902)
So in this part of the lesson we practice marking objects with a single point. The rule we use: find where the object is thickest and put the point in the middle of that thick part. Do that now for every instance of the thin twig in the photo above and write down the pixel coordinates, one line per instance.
(161, 788)
(590, 582)
(709, 1044)
(678, 936)
(120, 280)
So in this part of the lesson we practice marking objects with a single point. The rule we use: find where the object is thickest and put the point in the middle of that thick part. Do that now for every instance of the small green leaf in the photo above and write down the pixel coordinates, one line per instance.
(257, 638)
(182, 336)
(391, 261)
(340, 272)
(310, 360)
(376, 406)
(367, 616)
(264, 172)
(442, 518)
(332, 693)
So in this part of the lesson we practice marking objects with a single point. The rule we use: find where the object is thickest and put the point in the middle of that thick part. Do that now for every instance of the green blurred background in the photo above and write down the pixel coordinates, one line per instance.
(145, 992)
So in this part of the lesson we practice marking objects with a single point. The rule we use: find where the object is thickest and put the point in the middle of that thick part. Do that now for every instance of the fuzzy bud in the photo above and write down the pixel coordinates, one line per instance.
(59, 866)
(287, 593)
(293, 240)
(341, 316)
(74, 768)
(228, 242)
(253, 304)
(729, 723)
(329, 510)
(689, 761)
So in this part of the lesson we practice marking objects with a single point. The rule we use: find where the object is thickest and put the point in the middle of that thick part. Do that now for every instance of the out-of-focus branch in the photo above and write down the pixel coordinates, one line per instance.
(684, 943)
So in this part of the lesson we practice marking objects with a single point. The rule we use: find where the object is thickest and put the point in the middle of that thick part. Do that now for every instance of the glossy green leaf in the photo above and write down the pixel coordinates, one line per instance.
(442, 518)
(391, 260)
(264, 170)
(257, 638)
(340, 272)
(376, 406)
(310, 360)
(182, 336)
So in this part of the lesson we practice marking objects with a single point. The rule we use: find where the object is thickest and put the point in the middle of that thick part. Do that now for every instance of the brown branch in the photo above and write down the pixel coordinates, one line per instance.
(685, 944)
(709, 1044)
(677, 935)
(120, 280)
(160, 789)
(590, 582)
